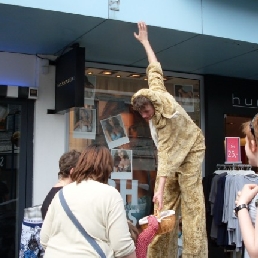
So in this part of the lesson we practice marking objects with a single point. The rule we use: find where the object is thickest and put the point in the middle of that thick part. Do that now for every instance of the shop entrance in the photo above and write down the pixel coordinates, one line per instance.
(15, 172)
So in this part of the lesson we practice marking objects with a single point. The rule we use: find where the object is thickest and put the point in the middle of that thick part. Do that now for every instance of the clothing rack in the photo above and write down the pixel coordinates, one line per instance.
(234, 166)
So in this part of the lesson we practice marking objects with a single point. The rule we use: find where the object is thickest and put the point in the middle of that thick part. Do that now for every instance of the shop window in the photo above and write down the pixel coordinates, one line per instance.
(108, 118)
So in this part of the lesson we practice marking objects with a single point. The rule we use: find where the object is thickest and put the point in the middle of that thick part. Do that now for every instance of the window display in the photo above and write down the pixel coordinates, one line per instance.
(108, 118)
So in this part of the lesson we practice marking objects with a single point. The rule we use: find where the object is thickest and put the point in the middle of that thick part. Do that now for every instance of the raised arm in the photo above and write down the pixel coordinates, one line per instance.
(142, 36)
(154, 70)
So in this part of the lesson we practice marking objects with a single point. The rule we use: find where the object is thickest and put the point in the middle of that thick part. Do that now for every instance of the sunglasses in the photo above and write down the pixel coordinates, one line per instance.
(251, 125)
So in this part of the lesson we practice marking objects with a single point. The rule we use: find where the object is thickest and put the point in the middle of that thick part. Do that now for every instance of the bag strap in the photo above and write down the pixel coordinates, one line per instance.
(75, 221)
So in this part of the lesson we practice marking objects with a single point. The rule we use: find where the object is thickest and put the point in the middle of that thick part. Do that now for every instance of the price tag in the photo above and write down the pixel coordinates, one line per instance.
(233, 151)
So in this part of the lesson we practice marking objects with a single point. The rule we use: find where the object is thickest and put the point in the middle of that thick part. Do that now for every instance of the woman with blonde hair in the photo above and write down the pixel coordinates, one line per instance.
(101, 225)
(247, 199)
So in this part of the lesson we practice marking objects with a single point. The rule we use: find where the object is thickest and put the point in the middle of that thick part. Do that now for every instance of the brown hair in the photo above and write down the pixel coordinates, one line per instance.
(68, 161)
(246, 129)
(133, 231)
(94, 163)
(140, 102)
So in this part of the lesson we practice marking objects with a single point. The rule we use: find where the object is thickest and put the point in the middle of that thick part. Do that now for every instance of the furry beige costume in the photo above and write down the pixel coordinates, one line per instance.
(181, 147)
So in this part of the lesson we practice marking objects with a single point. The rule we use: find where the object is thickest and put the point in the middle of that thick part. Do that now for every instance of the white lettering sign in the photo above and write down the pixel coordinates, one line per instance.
(244, 102)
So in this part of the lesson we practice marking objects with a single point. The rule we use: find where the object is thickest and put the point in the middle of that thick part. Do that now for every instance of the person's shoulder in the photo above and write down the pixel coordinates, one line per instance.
(52, 193)
(108, 190)
(55, 189)
(106, 187)
(93, 184)
(74, 187)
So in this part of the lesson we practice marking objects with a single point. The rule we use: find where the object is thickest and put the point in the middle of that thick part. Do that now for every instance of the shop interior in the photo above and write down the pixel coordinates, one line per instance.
(233, 128)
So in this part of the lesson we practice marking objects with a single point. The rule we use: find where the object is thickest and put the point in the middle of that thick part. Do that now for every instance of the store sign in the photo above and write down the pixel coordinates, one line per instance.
(233, 151)
(244, 102)
(69, 86)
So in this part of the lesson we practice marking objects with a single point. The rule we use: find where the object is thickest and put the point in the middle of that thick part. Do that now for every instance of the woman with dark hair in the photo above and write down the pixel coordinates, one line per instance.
(67, 162)
(98, 207)
(114, 129)
(125, 163)
(85, 121)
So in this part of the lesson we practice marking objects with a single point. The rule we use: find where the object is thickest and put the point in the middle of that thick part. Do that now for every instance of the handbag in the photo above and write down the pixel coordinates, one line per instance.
(166, 219)
(78, 225)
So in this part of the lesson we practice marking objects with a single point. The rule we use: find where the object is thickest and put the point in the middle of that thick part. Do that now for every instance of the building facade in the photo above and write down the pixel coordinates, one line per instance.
(194, 41)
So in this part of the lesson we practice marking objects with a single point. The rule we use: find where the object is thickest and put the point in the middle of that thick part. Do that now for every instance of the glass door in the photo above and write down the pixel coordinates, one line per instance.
(10, 125)
(14, 181)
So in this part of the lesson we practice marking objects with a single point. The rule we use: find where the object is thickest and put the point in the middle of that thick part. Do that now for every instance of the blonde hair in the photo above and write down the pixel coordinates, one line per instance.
(246, 129)
(133, 231)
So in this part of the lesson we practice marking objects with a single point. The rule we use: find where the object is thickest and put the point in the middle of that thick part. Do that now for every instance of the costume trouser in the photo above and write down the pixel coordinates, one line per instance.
(185, 187)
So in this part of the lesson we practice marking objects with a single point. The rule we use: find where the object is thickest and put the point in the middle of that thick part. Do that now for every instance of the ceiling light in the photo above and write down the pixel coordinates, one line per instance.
(135, 75)
(107, 72)
(118, 76)
(89, 72)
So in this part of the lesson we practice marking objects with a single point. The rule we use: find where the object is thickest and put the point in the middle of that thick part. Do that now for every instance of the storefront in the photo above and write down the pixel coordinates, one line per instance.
(225, 97)
(107, 97)
(107, 118)
(228, 103)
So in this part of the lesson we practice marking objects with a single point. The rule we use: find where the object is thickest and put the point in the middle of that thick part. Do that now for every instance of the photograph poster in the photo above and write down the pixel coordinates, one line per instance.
(184, 96)
(84, 123)
(89, 89)
(3, 116)
(123, 168)
(114, 131)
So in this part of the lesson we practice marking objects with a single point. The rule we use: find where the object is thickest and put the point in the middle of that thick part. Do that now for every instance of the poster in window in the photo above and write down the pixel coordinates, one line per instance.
(89, 89)
(114, 131)
(122, 164)
(3, 117)
(185, 97)
(84, 123)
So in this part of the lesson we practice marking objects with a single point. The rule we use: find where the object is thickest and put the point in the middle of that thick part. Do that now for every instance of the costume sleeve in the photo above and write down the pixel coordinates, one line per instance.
(174, 144)
(118, 232)
(46, 227)
(155, 77)
(145, 238)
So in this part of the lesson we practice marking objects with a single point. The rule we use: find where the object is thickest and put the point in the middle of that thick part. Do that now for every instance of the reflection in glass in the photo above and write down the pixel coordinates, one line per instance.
(9, 156)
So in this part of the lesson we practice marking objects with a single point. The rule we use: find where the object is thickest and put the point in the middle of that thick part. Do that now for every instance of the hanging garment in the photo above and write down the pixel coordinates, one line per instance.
(225, 228)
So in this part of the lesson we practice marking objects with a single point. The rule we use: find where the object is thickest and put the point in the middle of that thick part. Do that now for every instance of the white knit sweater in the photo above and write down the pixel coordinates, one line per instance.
(100, 210)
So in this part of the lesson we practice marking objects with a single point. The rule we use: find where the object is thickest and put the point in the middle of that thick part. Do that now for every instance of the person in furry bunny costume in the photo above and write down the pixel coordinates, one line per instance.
(181, 148)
